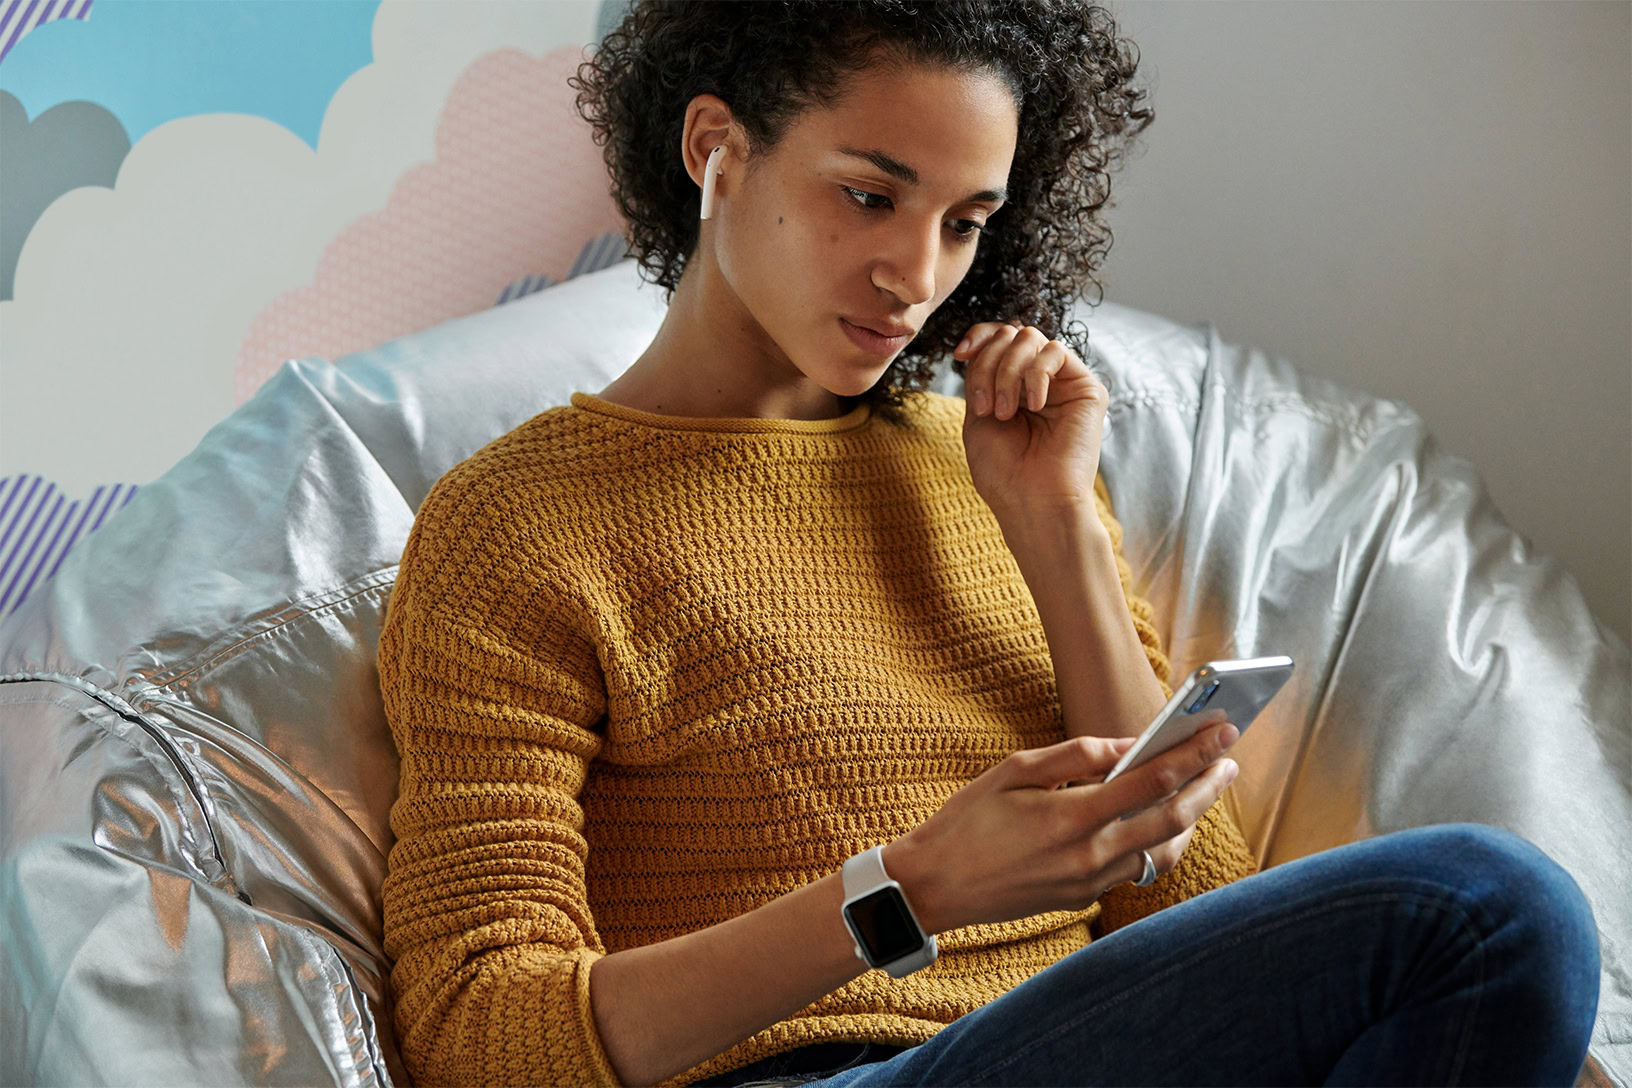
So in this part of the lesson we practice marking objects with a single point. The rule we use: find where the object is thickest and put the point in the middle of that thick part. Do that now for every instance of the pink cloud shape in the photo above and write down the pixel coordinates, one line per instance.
(517, 188)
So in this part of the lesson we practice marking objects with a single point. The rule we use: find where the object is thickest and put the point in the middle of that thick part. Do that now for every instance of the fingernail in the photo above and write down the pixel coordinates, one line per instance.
(1005, 401)
(980, 402)
(962, 346)
(1228, 734)
(1231, 769)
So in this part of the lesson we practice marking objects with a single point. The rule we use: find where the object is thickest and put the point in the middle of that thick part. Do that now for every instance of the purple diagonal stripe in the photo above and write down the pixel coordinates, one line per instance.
(28, 587)
(75, 535)
(32, 548)
(113, 492)
(5, 16)
(17, 517)
(12, 32)
(20, 28)
(27, 529)
(15, 491)
(111, 496)
(40, 19)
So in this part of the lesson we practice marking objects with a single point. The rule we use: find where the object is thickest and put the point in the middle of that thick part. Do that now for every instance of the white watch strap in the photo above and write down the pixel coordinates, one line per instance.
(864, 872)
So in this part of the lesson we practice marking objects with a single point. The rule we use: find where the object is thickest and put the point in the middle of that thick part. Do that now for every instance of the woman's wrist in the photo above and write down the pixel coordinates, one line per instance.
(920, 882)
(1054, 533)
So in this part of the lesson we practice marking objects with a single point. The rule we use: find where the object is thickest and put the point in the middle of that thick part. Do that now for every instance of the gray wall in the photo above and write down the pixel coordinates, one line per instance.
(1426, 201)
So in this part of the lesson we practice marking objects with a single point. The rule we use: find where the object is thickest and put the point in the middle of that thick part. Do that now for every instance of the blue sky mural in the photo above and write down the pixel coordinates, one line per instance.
(151, 61)
(80, 84)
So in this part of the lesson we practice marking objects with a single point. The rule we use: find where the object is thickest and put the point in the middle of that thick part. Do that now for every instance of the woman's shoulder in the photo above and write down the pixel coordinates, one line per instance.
(538, 475)
(553, 445)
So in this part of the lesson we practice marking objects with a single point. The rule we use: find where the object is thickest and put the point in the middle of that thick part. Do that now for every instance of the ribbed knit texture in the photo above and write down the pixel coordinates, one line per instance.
(646, 674)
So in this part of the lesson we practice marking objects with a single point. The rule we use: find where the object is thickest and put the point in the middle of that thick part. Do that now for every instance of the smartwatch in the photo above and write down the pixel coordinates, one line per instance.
(887, 933)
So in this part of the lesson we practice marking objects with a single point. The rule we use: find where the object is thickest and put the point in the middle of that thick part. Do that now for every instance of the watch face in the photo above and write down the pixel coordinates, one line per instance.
(886, 929)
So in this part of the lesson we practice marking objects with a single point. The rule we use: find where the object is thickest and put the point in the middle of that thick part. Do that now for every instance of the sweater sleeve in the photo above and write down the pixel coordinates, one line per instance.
(1218, 853)
(493, 699)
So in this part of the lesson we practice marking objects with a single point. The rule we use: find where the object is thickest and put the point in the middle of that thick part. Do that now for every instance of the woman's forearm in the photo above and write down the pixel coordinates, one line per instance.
(662, 1008)
(1106, 685)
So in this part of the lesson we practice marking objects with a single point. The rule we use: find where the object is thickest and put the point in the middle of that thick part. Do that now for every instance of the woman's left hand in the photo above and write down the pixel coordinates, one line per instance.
(1035, 450)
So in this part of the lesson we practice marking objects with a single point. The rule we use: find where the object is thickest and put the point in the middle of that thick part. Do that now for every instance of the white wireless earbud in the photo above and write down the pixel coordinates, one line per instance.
(709, 172)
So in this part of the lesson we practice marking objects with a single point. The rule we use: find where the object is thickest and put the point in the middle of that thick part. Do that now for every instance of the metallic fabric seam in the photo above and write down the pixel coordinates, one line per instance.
(186, 672)
(362, 1029)
(219, 877)
(368, 1028)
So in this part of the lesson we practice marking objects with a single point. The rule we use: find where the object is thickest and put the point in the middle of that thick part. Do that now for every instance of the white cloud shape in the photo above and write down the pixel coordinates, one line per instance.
(116, 353)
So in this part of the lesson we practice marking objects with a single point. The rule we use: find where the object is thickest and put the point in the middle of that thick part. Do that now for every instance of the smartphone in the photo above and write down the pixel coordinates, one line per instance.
(1234, 691)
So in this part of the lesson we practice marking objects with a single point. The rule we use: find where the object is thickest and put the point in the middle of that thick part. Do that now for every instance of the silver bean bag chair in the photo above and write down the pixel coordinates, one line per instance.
(196, 770)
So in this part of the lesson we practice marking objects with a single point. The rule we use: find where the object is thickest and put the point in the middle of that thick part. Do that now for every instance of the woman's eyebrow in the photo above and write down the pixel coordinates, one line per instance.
(898, 169)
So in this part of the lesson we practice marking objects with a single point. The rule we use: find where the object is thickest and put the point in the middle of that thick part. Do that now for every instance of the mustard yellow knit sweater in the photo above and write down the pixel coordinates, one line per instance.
(647, 673)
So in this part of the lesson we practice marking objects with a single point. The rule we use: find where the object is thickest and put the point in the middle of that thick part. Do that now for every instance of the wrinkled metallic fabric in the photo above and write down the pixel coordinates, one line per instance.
(195, 771)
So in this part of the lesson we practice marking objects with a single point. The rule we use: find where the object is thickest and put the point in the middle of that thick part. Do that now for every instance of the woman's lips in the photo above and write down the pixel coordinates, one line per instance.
(869, 341)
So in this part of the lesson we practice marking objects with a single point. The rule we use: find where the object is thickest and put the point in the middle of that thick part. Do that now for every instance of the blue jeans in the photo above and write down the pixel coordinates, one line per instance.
(1448, 954)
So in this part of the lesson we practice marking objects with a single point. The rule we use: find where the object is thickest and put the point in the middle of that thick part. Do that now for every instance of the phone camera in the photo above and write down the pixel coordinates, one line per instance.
(1201, 700)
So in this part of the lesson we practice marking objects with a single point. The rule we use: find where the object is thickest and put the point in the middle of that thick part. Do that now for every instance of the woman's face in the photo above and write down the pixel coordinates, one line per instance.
(866, 212)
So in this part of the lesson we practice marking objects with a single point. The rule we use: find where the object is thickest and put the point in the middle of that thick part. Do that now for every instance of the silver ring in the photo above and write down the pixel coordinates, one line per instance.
(1150, 872)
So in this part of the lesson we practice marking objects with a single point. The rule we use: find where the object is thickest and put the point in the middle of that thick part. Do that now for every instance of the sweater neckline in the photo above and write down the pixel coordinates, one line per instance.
(852, 420)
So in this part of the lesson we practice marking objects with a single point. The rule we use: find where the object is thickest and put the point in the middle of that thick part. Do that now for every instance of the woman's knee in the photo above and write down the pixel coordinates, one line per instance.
(1514, 884)
(1512, 861)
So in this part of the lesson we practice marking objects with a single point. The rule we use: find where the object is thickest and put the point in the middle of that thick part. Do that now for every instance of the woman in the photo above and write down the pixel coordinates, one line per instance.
(686, 674)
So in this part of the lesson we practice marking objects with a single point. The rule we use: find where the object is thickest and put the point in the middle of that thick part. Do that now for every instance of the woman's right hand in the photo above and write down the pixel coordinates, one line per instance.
(1014, 843)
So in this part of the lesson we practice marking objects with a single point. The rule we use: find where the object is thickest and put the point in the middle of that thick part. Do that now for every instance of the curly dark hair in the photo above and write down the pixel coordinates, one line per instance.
(772, 59)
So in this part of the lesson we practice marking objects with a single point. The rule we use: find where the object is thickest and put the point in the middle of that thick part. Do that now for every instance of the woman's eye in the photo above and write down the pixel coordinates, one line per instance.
(966, 229)
(864, 196)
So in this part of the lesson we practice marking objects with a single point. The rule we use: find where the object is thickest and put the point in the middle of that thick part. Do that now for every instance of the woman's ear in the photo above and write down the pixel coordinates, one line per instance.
(709, 124)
